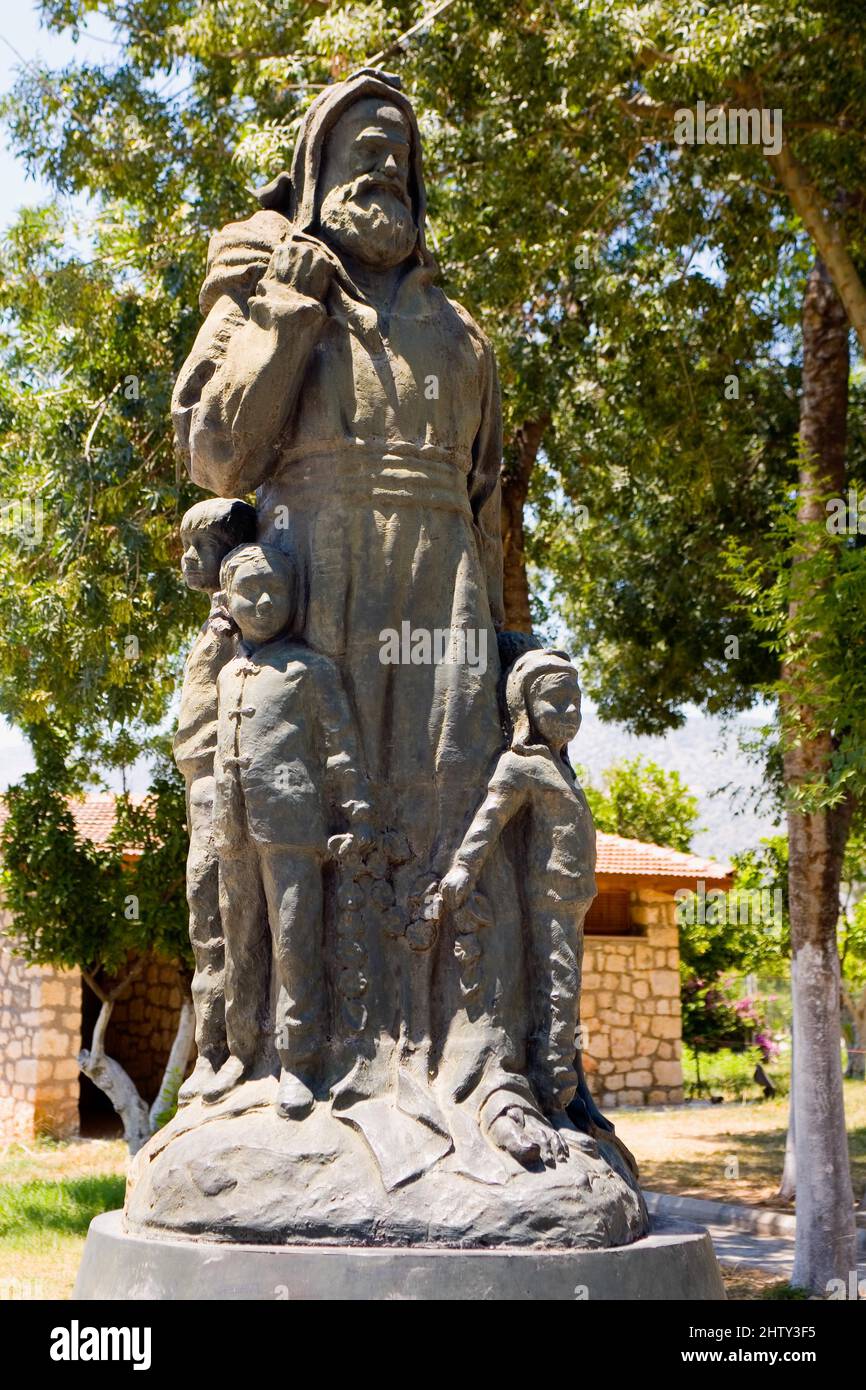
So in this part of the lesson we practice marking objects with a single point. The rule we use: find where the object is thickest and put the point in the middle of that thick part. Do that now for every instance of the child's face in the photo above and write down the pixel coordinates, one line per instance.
(259, 601)
(203, 553)
(554, 705)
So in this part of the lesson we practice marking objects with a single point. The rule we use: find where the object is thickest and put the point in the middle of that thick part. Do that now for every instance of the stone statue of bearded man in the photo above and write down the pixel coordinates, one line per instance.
(333, 378)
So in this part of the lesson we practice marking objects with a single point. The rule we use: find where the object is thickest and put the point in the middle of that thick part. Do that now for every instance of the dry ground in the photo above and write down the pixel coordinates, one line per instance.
(731, 1152)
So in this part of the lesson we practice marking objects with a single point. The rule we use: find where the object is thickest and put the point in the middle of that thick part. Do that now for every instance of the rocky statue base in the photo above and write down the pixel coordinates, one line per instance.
(237, 1171)
(674, 1262)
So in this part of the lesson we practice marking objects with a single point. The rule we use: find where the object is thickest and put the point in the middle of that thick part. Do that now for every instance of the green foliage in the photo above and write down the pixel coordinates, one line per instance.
(641, 800)
(172, 1082)
(710, 1020)
(77, 904)
(748, 929)
(731, 1073)
(822, 635)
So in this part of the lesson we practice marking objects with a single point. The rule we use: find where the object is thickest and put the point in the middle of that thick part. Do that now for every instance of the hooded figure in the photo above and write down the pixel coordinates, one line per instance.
(334, 378)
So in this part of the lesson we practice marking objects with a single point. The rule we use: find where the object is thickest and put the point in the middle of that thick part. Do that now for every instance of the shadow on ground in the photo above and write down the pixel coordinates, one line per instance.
(734, 1165)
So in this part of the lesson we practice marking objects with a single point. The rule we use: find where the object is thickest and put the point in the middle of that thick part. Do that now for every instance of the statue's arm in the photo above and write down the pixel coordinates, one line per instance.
(505, 796)
(239, 385)
(484, 485)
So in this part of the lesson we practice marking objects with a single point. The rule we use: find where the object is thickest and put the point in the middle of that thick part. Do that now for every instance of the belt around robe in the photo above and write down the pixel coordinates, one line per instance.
(390, 473)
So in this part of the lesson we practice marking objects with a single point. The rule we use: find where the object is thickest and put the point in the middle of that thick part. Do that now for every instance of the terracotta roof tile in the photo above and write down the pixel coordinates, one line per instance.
(617, 855)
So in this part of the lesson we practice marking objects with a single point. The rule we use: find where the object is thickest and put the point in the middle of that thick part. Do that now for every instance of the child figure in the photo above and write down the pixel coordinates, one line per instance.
(209, 530)
(557, 856)
(286, 761)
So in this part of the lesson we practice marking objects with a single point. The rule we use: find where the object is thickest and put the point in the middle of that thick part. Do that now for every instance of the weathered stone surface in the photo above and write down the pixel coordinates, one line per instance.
(246, 1175)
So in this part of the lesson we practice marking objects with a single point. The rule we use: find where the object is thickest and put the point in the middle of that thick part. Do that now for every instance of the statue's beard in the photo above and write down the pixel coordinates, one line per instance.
(369, 221)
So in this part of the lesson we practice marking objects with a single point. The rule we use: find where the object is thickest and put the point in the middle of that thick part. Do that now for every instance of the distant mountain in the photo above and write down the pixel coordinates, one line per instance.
(707, 757)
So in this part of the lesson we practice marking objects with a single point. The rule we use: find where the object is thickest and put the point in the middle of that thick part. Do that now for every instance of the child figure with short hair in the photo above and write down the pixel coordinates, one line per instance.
(209, 530)
(533, 777)
(288, 772)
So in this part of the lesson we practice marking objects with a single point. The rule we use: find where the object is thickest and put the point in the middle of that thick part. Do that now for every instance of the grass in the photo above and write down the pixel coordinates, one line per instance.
(732, 1074)
(49, 1193)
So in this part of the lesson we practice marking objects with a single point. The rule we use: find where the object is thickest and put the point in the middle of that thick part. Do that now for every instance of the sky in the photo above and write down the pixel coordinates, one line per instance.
(702, 752)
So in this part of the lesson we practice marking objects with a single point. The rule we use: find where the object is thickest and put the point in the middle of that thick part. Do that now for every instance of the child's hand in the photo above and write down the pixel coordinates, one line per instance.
(456, 886)
(356, 843)
(363, 837)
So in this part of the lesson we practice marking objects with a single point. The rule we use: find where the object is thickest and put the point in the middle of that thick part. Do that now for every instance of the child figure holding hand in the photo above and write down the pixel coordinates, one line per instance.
(288, 775)
(533, 780)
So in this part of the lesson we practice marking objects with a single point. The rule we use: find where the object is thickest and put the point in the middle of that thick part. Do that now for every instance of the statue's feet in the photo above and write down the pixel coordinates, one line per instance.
(230, 1074)
(294, 1097)
(508, 1132)
(553, 1145)
(203, 1074)
(527, 1137)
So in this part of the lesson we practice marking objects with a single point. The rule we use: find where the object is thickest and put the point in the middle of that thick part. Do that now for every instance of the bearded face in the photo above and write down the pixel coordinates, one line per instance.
(365, 209)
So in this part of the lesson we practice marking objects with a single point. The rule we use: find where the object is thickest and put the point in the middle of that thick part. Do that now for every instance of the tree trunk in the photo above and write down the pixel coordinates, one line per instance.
(788, 1186)
(175, 1067)
(110, 1077)
(139, 1122)
(816, 839)
(516, 472)
(829, 241)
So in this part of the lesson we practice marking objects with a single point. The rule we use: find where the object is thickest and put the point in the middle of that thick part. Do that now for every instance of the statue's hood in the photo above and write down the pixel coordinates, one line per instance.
(294, 194)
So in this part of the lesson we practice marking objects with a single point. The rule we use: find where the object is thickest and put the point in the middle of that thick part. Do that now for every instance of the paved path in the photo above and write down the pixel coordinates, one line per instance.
(772, 1253)
(771, 1250)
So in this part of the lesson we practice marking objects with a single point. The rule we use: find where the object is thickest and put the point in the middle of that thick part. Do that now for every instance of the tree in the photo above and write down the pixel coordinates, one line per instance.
(104, 910)
(644, 802)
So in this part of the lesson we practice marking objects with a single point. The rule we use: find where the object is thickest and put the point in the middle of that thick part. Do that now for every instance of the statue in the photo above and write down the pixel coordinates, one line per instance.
(534, 777)
(402, 883)
(208, 531)
(285, 730)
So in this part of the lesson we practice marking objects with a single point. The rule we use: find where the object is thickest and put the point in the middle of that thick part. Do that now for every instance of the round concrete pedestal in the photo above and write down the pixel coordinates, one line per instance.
(675, 1261)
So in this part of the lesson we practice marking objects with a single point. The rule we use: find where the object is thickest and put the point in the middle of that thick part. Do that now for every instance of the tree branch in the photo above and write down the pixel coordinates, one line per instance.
(824, 231)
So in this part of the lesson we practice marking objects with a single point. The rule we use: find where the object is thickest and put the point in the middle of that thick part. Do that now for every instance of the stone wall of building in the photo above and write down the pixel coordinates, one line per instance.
(143, 1025)
(40, 1037)
(630, 1011)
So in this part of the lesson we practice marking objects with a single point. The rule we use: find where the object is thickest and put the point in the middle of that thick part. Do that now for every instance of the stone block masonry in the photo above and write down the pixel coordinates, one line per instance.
(40, 1037)
(631, 1008)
